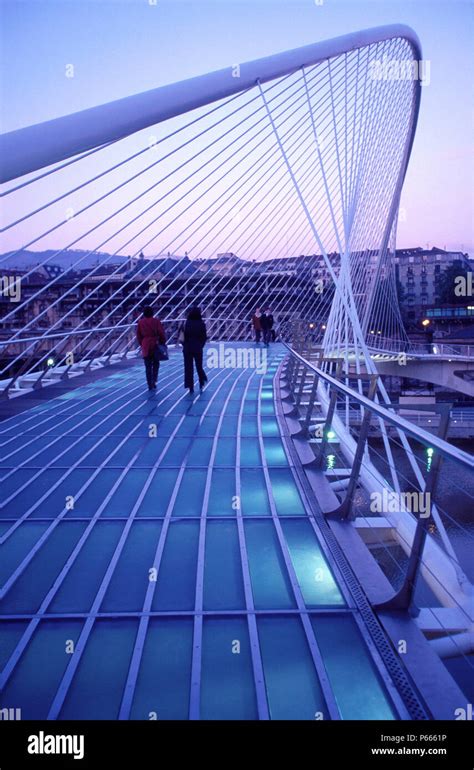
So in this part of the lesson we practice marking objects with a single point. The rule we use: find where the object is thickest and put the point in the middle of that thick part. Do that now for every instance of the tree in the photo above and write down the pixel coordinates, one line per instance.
(447, 284)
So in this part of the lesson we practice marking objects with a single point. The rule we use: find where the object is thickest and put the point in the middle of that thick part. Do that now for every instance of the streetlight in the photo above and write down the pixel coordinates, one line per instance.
(425, 322)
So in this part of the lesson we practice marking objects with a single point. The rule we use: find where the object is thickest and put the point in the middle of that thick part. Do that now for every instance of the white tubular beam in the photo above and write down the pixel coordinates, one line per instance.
(34, 147)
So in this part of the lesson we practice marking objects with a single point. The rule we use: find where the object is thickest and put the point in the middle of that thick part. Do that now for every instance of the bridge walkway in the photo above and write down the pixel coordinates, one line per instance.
(160, 560)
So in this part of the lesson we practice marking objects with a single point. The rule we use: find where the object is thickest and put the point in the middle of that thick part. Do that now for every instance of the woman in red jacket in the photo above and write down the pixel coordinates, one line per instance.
(150, 334)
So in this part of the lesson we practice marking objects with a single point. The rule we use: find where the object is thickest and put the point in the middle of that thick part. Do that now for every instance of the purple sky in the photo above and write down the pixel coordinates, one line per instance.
(127, 46)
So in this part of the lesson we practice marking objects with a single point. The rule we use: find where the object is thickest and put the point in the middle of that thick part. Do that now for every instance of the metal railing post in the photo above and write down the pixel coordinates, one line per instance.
(403, 599)
(288, 373)
(294, 376)
(299, 394)
(330, 415)
(344, 510)
(312, 398)
(20, 372)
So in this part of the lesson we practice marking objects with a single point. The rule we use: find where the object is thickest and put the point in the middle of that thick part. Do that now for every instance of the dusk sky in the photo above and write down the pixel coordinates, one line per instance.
(127, 46)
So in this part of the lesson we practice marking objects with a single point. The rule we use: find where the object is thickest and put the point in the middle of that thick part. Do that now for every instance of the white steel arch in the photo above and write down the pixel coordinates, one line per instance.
(34, 147)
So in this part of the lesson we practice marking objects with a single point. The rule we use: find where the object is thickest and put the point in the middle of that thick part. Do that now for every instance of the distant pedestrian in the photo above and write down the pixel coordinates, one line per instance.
(265, 324)
(195, 337)
(257, 325)
(150, 334)
(270, 324)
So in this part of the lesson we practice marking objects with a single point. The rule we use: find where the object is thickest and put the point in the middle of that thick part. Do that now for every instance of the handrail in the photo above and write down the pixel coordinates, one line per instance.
(420, 434)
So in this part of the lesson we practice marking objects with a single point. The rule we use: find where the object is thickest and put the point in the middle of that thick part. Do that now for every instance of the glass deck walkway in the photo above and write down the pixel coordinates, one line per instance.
(159, 560)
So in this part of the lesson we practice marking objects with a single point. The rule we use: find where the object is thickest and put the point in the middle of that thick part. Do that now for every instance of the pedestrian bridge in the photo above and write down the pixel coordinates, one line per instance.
(453, 372)
(251, 552)
(164, 557)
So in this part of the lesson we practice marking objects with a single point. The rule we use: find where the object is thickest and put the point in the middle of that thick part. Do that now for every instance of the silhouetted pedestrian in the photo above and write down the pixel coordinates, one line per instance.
(264, 323)
(195, 337)
(256, 321)
(150, 334)
(270, 323)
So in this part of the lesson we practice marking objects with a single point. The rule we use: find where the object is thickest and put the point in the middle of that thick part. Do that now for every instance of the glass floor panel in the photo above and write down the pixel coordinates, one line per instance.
(129, 526)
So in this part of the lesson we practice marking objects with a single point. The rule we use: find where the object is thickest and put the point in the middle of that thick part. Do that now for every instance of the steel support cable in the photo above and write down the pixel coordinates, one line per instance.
(175, 237)
(161, 159)
(243, 244)
(369, 119)
(85, 279)
(220, 288)
(359, 116)
(170, 244)
(73, 288)
(50, 171)
(317, 144)
(119, 211)
(89, 295)
(366, 140)
(115, 342)
(194, 287)
(277, 282)
(370, 299)
(98, 267)
(152, 165)
(341, 192)
(111, 216)
(376, 275)
(360, 271)
(115, 309)
(328, 264)
(315, 133)
(266, 225)
(121, 163)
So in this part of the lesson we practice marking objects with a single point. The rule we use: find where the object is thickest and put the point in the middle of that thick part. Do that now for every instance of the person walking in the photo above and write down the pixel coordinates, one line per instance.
(257, 326)
(270, 323)
(150, 334)
(264, 323)
(195, 337)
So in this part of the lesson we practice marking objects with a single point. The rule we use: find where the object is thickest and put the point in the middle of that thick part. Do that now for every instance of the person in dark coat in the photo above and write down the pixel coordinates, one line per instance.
(257, 325)
(195, 337)
(150, 334)
(270, 323)
(265, 324)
